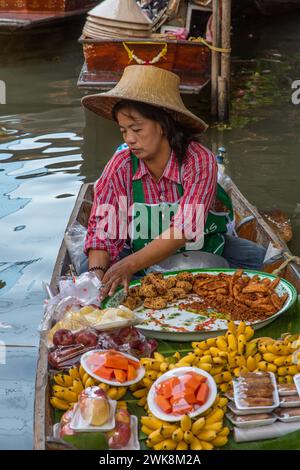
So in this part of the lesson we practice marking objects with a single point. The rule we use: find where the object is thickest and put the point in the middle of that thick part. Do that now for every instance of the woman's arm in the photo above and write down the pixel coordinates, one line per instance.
(157, 250)
(99, 258)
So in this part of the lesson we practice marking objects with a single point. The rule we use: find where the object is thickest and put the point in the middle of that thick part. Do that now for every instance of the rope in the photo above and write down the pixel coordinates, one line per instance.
(210, 46)
(132, 56)
(289, 259)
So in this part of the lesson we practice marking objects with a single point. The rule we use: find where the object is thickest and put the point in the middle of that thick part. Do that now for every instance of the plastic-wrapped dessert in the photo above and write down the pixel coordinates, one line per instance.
(286, 389)
(288, 415)
(251, 420)
(94, 406)
(256, 390)
(290, 401)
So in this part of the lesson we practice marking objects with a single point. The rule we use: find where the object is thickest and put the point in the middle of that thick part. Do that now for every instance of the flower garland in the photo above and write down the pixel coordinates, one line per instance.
(155, 60)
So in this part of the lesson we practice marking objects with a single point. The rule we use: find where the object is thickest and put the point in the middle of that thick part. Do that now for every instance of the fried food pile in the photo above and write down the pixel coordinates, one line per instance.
(155, 292)
(242, 297)
(237, 296)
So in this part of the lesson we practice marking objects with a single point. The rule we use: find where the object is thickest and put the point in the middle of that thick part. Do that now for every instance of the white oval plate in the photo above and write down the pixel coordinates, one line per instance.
(140, 372)
(156, 410)
(174, 324)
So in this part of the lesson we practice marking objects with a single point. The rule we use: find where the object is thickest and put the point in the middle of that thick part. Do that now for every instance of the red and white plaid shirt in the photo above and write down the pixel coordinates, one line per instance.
(198, 177)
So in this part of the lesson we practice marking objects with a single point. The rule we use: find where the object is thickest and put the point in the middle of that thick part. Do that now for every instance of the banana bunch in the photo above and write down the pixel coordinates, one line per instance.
(280, 356)
(68, 386)
(204, 433)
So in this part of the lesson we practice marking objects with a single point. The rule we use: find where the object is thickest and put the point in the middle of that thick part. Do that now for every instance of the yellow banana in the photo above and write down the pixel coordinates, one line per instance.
(217, 426)
(241, 328)
(214, 351)
(207, 435)
(182, 446)
(241, 361)
(216, 415)
(225, 432)
(81, 372)
(206, 445)
(152, 422)
(207, 359)
(155, 437)
(177, 435)
(85, 378)
(249, 333)
(251, 363)
(63, 379)
(90, 382)
(146, 430)
(121, 392)
(196, 444)
(74, 373)
(164, 366)
(232, 343)
(159, 357)
(231, 327)
(251, 349)
(142, 392)
(205, 366)
(271, 368)
(112, 393)
(59, 404)
(167, 430)
(142, 401)
(269, 357)
(211, 342)
(220, 441)
(224, 387)
(103, 386)
(221, 343)
(188, 437)
(198, 425)
(185, 423)
(241, 344)
(77, 386)
(169, 444)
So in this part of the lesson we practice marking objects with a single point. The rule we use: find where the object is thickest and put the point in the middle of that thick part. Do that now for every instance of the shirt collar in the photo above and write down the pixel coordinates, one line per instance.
(171, 171)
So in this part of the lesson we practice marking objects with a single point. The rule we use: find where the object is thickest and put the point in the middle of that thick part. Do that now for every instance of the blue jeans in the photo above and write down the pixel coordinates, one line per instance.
(239, 252)
(242, 253)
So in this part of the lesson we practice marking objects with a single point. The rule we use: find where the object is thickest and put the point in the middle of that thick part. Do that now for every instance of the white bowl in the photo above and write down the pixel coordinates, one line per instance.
(140, 371)
(156, 410)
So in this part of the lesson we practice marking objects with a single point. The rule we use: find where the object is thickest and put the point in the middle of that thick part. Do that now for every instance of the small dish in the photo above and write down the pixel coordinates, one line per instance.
(84, 362)
(160, 414)
(78, 424)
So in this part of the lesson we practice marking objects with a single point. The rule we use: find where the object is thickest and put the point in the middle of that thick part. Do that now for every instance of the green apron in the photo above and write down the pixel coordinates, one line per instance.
(150, 220)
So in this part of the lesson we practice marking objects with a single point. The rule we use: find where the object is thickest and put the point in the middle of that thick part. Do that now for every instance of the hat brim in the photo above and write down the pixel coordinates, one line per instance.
(102, 104)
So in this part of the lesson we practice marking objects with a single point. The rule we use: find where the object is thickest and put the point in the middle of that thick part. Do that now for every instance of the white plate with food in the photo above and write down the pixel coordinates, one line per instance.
(113, 367)
(194, 304)
(185, 390)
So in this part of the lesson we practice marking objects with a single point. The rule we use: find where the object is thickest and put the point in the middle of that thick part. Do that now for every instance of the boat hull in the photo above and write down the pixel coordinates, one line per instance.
(105, 61)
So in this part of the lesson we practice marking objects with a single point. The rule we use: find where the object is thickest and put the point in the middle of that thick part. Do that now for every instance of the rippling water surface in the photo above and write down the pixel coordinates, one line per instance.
(47, 151)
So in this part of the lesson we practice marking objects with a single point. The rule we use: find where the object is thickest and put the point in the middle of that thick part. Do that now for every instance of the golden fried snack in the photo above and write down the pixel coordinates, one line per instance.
(185, 276)
(258, 401)
(150, 277)
(134, 291)
(168, 296)
(214, 285)
(178, 293)
(170, 282)
(148, 290)
(132, 302)
(160, 285)
(185, 285)
(155, 304)
(255, 287)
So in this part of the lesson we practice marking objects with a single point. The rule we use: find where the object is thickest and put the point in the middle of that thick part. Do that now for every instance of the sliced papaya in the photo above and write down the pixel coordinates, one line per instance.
(120, 375)
(163, 403)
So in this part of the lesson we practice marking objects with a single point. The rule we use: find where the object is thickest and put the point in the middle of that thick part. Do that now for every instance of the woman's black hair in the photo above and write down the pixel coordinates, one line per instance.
(179, 135)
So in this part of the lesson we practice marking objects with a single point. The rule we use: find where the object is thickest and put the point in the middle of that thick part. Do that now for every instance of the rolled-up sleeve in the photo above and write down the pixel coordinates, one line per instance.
(103, 228)
(199, 180)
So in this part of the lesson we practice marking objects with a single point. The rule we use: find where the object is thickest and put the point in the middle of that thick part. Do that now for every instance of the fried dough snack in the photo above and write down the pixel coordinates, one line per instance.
(238, 295)
(155, 304)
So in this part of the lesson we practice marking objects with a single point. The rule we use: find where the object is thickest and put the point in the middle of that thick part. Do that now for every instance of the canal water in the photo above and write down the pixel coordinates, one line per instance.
(49, 147)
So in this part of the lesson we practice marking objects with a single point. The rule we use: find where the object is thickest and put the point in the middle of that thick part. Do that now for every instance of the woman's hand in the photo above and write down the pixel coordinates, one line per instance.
(118, 274)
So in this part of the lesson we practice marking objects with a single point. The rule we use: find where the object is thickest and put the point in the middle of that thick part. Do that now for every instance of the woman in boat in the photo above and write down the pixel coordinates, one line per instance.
(162, 169)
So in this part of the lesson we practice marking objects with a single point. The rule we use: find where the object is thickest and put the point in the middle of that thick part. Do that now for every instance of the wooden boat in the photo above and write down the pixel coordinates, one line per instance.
(254, 228)
(28, 14)
(277, 7)
(105, 59)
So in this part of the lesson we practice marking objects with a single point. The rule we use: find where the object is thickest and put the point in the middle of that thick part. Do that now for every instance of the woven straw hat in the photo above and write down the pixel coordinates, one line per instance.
(120, 10)
(146, 84)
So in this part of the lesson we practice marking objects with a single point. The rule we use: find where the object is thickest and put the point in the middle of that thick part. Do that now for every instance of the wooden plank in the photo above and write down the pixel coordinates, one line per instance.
(215, 58)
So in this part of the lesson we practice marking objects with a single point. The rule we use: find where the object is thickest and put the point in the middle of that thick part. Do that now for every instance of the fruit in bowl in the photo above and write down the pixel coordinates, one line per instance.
(94, 406)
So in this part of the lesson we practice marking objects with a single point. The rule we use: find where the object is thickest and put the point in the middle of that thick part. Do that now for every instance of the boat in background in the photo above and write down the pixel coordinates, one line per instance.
(108, 46)
(18, 15)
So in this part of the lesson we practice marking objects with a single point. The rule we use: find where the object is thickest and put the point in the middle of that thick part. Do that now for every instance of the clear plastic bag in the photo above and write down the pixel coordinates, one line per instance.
(74, 239)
